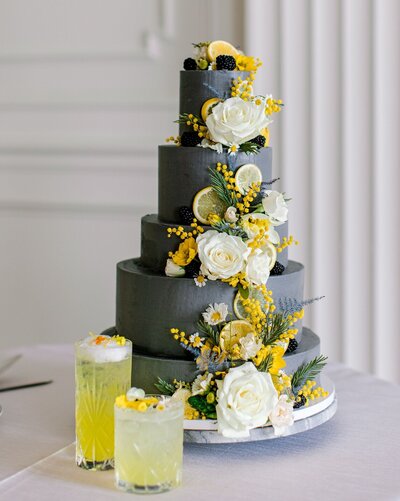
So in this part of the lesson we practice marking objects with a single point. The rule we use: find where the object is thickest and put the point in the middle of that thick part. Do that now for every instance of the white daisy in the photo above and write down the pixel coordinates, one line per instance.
(216, 313)
(233, 149)
(200, 280)
(195, 340)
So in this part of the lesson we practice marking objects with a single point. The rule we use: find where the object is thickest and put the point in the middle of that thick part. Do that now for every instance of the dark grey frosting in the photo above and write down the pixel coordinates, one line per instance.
(196, 87)
(156, 244)
(146, 369)
(150, 304)
(183, 171)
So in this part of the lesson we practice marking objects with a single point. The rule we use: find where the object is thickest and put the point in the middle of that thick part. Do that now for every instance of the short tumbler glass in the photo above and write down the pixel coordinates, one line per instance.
(102, 372)
(149, 447)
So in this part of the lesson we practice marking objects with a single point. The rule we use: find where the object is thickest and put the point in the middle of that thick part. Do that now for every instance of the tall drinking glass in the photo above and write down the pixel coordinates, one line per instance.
(102, 372)
(148, 444)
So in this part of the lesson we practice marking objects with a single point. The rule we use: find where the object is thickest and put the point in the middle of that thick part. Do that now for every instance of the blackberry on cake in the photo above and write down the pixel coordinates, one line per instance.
(300, 403)
(292, 346)
(278, 269)
(190, 138)
(185, 215)
(189, 64)
(260, 140)
(225, 62)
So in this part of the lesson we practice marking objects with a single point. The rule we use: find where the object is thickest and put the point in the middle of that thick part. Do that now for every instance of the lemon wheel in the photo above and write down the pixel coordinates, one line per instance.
(238, 307)
(207, 106)
(220, 48)
(232, 332)
(246, 175)
(207, 202)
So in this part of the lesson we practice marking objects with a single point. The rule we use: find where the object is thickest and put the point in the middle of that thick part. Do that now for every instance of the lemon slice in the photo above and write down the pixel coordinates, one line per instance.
(246, 175)
(220, 48)
(232, 332)
(238, 307)
(207, 202)
(265, 133)
(206, 108)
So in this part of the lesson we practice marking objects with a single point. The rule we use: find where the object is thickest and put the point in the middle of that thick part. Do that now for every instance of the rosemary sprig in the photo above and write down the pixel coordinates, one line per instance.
(307, 371)
(237, 231)
(220, 187)
(208, 331)
(250, 148)
(274, 329)
(164, 387)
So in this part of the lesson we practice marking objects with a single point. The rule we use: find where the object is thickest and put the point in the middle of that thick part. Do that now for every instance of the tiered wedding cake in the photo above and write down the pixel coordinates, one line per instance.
(195, 304)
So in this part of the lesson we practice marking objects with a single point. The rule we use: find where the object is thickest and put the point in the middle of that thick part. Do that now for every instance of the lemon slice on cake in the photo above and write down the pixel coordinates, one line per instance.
(232, 332)
(207, 202)
(265, 133)
(207, 106)
(220, 48)
(246, 175)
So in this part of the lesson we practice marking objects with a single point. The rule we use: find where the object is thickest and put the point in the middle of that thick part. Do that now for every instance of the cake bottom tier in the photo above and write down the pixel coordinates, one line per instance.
(146, 369)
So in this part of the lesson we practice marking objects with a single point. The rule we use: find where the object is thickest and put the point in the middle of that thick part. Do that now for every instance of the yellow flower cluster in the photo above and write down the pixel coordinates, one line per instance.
(173, 139)
(140, 405)
(243, 88)
(275, 353)
(179, 335)
(261, 226)
(282, 382)
(229, 179)
(310, 392)
(193, 122)
(244, 206)
(182, 234)
(239, 278)
(186, 252)
(255, 313)
(247, 63)
(273, 106)
(286, 242)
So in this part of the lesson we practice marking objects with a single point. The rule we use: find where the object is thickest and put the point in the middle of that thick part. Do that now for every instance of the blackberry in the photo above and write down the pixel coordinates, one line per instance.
(302, 402)
(185, 215)
(192, 269)
(278, 269)
(189, 64)
(292, 346)
(226, 63)
(260, 140)
(190, 139)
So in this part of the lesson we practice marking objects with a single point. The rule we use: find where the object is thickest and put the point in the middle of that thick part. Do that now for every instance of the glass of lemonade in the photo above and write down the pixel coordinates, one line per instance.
(148, 443)
(102, 372)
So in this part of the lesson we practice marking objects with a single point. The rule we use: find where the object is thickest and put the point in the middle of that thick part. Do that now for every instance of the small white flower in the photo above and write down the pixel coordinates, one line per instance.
(231, 215)
(196, 340)
(174, 270)
(216, 313)
(200, 280)
(201, 384)
(275, 207)
(135, 394)
(205, 143)
(233, 149)
(249, 346)
(258, 266)
(281, 416)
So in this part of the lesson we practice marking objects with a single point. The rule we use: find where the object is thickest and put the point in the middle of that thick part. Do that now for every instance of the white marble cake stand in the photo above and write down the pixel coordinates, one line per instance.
(305, 418)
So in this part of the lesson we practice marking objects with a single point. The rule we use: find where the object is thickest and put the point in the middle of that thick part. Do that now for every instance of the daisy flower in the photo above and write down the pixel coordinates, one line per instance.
(200, 280)
(216, 313)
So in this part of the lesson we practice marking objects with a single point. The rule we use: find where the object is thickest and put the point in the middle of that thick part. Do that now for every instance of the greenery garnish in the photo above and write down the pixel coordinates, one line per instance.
(236, 231)
(220, 187)
(164, 387)
(308, 371)
(276, 326)
(208, 331)
(250, 147)
(199, 402)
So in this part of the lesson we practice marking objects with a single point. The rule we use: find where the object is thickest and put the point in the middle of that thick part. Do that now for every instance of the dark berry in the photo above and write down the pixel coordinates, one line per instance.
(299, 404)
(278, 269)
(189, 64)
(190, 139)
(226, 63)
(192, 269)
(185, 215)
(260, 140)
(292, 346)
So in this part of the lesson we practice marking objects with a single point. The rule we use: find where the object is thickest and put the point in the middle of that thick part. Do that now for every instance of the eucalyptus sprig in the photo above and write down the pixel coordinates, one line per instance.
(307, 371)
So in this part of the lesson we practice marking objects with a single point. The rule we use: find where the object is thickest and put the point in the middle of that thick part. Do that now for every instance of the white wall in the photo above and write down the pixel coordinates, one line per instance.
(87, 91)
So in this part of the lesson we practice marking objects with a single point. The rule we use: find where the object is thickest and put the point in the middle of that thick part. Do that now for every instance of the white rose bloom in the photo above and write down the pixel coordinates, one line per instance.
(231, 215)
(201, 384)
(249, 346)
(174, 270)
(281, 416)
(275, 207)
(236, 121)
(258, 266)
(216, 313)
(221, 255)
(246, 398)
(273, 235)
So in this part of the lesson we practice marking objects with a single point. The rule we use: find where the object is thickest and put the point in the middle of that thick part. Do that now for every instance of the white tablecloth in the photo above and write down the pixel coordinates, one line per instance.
(355, 456)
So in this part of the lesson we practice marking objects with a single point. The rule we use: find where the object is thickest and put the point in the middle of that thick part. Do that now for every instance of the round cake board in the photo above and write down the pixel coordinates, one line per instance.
(305, 418)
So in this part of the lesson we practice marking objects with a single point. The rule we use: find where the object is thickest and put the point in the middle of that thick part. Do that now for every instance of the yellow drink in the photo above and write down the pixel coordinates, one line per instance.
(102, 372)
(149, 448)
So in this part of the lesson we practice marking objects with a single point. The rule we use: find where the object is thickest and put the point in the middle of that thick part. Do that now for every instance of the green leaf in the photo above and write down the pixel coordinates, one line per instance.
(164, 387)
(307, 371)
(199, 402)
(244, 292)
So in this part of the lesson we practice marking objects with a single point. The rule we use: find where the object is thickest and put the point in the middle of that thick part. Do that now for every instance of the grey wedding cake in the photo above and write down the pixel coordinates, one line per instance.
(214, 289)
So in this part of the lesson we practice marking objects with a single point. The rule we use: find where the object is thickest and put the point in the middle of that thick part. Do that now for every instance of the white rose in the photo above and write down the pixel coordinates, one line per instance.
(246, 398)
(252, 231)
(249, 346)
(236, 121)
(281, 416)
(221, 255)
(231, 215)
(258, 266)
(174, 270)
(275, 207)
